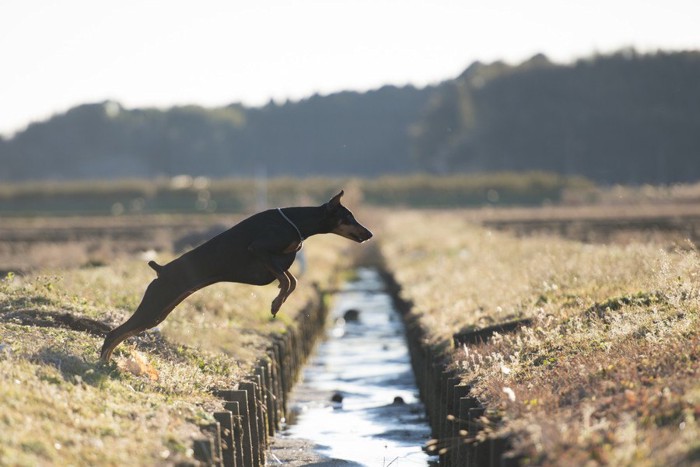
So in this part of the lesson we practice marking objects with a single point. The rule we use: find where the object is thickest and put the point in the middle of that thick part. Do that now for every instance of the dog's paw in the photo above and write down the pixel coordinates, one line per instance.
(276, 304)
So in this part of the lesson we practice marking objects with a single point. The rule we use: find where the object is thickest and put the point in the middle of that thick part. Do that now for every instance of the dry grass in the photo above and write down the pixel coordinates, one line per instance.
(60, 406)
(608, 372)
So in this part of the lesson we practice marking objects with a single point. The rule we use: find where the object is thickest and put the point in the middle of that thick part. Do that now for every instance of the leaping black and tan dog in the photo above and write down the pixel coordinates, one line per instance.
(255, 251)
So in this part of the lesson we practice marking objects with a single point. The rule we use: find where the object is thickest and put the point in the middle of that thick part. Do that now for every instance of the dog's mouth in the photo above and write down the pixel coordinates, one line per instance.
(355, 233)
(362, 238)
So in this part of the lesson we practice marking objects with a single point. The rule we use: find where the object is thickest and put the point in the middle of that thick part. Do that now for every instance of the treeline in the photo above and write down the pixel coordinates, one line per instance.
(348, 133)
(184, 194)
(623, 118)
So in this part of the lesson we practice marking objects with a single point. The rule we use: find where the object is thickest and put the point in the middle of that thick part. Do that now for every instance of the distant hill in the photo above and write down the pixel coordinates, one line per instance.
(622, 118)
(347, 133)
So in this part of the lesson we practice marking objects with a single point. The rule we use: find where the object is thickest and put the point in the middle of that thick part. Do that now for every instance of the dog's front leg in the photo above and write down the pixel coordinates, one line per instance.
(287, 282)
(284, 287)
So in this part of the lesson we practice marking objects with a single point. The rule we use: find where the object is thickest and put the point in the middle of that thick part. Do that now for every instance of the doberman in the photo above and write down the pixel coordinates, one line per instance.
(255, 251)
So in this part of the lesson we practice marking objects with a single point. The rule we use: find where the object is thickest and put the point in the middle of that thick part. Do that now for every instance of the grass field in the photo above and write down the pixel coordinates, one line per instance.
(607, 374)
(60, 406)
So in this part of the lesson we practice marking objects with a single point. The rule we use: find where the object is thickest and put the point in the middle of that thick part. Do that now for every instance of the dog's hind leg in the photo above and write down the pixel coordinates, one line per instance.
(160, 299)
(292, 283)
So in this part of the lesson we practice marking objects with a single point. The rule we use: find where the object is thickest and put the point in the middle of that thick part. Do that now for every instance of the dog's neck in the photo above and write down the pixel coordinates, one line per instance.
(309, 220)
(291, 222)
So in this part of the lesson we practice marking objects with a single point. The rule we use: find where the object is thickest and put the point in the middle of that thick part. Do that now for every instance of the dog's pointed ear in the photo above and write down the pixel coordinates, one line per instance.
(335, 201)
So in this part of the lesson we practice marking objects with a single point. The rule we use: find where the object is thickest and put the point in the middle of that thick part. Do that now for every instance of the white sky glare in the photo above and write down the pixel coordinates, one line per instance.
(58, 54)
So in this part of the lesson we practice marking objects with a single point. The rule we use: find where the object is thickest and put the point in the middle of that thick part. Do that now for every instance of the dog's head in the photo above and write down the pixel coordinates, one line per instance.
(341, 221)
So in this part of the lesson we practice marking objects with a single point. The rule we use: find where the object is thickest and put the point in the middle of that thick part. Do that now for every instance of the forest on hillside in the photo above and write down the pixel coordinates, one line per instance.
(346, 133)
(623, 118)
(620, 118)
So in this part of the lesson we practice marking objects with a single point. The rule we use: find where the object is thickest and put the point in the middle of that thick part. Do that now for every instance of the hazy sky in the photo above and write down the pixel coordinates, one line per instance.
(59, 53)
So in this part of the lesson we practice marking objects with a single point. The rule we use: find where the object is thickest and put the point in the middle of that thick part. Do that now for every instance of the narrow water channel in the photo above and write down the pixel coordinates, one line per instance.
(357, 402)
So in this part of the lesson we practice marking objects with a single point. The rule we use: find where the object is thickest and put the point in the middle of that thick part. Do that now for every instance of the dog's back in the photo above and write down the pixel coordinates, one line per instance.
(226, 256)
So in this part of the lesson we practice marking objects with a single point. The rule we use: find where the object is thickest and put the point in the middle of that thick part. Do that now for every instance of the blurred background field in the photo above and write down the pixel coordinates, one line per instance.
(185, 194)
(82, 223)
(200, 195)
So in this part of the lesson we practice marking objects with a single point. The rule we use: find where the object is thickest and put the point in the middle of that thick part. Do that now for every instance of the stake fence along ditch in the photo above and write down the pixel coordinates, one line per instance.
(254, 409)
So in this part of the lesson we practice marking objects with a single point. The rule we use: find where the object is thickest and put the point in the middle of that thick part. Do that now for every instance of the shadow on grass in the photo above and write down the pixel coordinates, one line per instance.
(641, 299)
(56, 319)
(73, 368)
(76, 368)
(70, 364)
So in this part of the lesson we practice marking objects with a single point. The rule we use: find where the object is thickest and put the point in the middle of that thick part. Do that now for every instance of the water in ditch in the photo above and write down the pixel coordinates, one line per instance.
(357, 403)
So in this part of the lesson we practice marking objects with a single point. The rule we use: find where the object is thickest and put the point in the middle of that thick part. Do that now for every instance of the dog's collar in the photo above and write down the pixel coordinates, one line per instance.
(301, 238)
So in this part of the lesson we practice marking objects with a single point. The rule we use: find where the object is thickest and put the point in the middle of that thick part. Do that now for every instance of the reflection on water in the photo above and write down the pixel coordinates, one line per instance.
(357, 400)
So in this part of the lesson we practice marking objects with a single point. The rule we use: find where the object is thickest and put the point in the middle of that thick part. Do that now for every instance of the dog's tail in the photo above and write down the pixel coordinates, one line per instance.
(156, 267)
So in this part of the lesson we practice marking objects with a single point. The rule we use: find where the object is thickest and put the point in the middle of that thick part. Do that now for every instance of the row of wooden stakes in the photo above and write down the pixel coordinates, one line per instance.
(254, 410)
(456, 417)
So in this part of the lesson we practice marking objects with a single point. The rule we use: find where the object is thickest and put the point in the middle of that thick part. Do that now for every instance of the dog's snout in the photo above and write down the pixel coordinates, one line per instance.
(363, 234)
